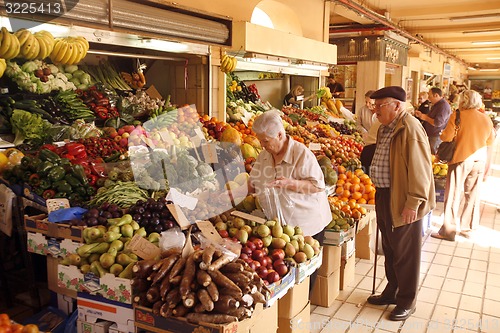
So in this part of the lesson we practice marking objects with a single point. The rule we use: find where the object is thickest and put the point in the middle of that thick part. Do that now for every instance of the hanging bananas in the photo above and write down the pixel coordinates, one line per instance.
(228, 63)
(9, 44)
(46, 41)
(30, 47)
(69, 50)
(3, 66)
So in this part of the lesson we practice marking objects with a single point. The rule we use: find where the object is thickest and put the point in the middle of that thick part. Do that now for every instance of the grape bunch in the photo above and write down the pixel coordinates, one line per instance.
(341, 128)
(153, 215)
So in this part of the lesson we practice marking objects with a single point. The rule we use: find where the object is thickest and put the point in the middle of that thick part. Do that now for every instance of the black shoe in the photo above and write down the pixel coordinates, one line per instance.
(381, 300)
(399, 313)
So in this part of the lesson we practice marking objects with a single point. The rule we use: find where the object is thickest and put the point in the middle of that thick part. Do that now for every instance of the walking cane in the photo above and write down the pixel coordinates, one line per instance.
(375, 262)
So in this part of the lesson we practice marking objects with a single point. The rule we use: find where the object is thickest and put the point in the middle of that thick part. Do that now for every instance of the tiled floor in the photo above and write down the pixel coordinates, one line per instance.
(459, 282)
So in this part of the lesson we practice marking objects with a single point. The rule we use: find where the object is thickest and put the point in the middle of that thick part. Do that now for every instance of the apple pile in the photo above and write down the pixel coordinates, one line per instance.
(120, 135)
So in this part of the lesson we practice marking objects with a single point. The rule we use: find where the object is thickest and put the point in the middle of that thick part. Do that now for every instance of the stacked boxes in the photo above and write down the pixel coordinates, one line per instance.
(326, 287)
(347, 263)
(292, 307)
(362, 242)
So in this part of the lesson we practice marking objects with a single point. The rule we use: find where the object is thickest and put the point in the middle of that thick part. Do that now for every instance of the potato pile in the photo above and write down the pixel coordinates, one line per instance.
(205, 286)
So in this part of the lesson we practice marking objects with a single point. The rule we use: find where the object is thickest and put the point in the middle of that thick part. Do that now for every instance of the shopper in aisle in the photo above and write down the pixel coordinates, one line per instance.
(365, 114)
(424, 105)
(468, 168)
(437, 118)
(336, 88)
(295, 96)
(402, 173)
(370, 139)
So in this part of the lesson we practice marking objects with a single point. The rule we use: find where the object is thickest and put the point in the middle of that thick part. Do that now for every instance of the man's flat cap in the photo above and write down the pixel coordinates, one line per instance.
(392, 91)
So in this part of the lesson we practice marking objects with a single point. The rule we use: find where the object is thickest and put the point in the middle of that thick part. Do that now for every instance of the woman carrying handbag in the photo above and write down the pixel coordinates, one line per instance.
(467, 168)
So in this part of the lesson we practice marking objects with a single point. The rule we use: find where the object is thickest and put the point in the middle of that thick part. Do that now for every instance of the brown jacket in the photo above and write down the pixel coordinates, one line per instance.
(412, 181)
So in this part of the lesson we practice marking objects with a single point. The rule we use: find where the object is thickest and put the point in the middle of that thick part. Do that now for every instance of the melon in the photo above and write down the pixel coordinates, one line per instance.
(231, 135)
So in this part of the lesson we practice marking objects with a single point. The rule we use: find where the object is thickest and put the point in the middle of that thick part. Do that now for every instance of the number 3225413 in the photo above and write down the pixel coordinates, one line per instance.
(33, 7)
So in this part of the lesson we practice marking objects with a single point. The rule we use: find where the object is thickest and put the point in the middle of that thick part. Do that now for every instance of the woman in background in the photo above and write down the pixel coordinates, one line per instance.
(291, 97)
(468, 167)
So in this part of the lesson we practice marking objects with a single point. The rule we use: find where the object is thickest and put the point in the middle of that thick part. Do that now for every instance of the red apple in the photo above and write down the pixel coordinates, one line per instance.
(123, 142)
(251, 245)
(277, 254)
(252, 265)
(246, 250)
(243, 256)
(277, 263)
(128, 128)
(264, 261)
(272, 276)
(256, 263)
(258, 243)
(281, 270)
(223, 233)
(262, 272)
(121, 131)
(257, 254)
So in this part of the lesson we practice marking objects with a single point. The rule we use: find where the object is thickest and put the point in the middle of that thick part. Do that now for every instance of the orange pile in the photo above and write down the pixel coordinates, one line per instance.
(351, 209)
(355, 186)
(7, 326)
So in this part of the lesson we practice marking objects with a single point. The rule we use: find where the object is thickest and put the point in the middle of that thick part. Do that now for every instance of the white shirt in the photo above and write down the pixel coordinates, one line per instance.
(309, 211)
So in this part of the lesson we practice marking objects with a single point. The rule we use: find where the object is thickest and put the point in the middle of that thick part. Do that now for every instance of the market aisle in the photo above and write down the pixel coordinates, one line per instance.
(459, 284)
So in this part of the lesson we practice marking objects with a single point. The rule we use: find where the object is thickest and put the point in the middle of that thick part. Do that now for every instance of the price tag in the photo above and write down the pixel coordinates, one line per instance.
(179, 216)
(199, 133)
(148, 141)
(246, 118)
(311, 123)
(250, 217)
(165, 136)
(181, 199)
(208, 230)
(143, 248)
(196, 140)
(209, 153)
(314, 146)
(56, 204)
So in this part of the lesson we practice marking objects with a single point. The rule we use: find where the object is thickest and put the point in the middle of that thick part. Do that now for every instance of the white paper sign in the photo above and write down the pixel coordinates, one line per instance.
(209, 153)
(314, 146)
(165, 136)
(181, 200)
(199, 133)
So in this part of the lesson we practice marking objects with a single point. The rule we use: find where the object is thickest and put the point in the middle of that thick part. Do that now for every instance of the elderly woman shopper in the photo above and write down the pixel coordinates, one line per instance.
(468, 167)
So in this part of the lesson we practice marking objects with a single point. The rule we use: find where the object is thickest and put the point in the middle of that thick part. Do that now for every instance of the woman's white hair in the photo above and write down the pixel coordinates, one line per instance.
(470, 99)
(268, 123)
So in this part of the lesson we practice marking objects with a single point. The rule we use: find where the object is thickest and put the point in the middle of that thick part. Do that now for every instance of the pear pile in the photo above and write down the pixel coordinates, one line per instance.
(105, 249)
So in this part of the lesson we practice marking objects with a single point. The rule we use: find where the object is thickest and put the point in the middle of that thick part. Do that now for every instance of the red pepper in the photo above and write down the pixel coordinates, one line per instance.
(92, 179)
(68, 156)
(103, 101)
(49, 147)
(49, 194)
(34, 179)
(76, 149)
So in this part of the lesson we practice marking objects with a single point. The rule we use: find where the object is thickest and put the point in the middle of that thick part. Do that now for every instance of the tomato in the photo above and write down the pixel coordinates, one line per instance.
(30, 328)
(4, 319)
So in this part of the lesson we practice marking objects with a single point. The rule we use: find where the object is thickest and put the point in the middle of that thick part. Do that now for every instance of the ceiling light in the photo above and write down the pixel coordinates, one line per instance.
(489, 31)
(313, 66)
(163, 45)
(489, 70)
(471, 68)
(493, 58)
(474, 17)
(486, 43)
(266, 60)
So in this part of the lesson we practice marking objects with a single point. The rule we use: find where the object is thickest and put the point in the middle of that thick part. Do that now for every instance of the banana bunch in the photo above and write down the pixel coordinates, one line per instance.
(30, 47)
(46, 41)
(3, 66)
(228, 63)
(69, 50)
(9, 44)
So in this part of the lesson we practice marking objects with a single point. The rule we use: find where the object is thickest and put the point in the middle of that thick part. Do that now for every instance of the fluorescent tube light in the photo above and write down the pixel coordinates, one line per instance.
(266, 60)
(489, 70)
(472, 68)
(474, 17)
(486, 43)
(163, 45)
(490, 31)
(312, 66)
(493, 58)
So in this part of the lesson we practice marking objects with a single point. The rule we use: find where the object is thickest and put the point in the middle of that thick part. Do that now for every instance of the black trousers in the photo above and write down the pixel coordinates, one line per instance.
(402, 247)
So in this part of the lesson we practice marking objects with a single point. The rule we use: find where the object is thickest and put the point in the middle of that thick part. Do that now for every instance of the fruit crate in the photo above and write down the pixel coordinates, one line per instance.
(279, 288)
(335, 238)
(41, 225)
(40, 244)
(305, 269)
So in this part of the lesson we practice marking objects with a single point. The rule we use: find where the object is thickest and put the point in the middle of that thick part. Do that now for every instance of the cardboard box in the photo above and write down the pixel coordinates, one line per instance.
(294, 301)
(109, 286)
(326, 289)
(52, 279)
(362, 245)
(146, 320)
(101, 326)
(364, 223)
(280, 288)
(267, 321)
(48, 246)
(92, 308)
(48, 320)
(347, 249)
(347, 272)
(40, 224)
(338, 237)
(331, 260)
(305, 269)
(301, 323)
